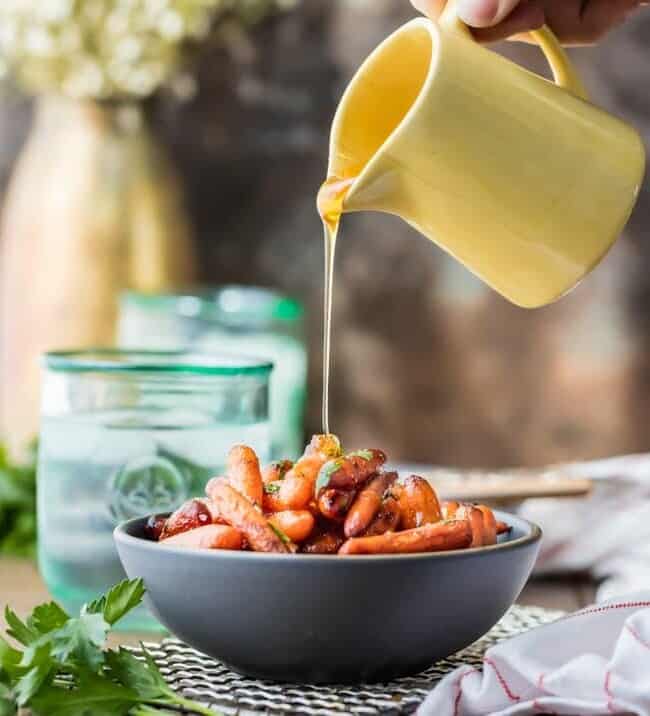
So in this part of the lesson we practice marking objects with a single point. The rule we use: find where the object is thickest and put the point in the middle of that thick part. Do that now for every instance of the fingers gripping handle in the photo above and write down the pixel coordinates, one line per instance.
(564, 72)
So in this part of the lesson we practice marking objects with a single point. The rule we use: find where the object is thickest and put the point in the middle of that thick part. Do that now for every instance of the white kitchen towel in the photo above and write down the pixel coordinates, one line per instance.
(595, 661)
(606, 533)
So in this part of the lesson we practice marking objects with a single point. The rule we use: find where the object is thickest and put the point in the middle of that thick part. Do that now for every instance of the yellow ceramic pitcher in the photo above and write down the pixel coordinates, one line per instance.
(520, 179)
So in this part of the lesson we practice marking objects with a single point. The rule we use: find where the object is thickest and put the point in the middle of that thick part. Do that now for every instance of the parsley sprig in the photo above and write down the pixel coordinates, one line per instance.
(63, 668)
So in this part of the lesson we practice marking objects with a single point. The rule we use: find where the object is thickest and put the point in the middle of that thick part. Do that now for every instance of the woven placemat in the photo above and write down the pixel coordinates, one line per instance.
(209, 681)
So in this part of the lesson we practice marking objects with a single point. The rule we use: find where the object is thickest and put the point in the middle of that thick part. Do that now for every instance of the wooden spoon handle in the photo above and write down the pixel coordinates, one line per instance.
(511, 488)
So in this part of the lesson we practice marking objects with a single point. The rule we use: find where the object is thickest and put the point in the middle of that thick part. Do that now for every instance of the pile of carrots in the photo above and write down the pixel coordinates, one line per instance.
(326, 502)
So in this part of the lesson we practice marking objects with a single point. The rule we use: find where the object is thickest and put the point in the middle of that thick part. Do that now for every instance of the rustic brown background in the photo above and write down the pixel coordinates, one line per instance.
(427, 362)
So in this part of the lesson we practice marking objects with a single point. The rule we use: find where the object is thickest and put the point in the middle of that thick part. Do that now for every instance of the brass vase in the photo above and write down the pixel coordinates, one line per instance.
(93, 208)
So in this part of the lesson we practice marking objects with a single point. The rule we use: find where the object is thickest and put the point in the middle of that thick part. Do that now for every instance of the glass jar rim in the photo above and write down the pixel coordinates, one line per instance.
(230, 303)
(117, 360)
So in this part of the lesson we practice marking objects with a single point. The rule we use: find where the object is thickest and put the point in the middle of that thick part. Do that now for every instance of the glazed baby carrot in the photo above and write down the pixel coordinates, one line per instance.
(367, 503)
(334, 504)
(387, 518)
(207, 537)
(313, 505)
(241, 514)
(297, 525)
(489, 525)
(296, 490)
(475, 518)
(244, 473)
(435, 537)
(418, 502)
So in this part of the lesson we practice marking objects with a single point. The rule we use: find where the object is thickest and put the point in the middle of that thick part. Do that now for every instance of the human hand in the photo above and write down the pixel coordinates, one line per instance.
(575, 22)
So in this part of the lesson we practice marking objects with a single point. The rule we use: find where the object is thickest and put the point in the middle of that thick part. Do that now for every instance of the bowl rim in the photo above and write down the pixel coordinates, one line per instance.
(533, 534)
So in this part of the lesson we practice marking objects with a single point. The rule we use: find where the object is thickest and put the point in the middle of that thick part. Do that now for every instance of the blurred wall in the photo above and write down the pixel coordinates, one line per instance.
(427, 362)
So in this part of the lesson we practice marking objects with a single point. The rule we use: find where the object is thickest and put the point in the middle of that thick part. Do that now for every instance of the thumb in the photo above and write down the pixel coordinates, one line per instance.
(485, 13)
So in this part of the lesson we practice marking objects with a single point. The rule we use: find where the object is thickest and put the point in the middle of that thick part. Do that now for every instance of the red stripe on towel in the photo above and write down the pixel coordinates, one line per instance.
(637, 636)
(501, 680)
(460, 690)
(606, 608)
(608, 692)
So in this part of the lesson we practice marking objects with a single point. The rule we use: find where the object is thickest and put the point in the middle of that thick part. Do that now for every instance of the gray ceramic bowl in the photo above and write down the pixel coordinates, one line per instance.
(324, 619)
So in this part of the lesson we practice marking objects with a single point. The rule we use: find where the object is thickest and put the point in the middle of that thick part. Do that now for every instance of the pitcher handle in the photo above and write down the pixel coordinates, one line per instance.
(563, 70)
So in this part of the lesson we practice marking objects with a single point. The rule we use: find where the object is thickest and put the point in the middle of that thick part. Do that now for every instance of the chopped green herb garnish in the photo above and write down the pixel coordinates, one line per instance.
(272, 488)
(365, 454)
(280, 533)
(328, 469)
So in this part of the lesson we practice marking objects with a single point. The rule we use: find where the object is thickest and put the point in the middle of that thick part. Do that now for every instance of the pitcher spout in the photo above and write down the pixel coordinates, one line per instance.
(372, 112)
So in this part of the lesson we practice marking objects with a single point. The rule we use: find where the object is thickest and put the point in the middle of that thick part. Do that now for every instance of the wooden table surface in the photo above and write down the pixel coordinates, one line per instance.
(22, 588)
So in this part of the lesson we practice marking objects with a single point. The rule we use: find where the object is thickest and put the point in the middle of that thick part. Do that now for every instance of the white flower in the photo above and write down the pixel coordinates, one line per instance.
(54, 10)
(171, 25)
(128, 49)
(107, 48)
(38, 41)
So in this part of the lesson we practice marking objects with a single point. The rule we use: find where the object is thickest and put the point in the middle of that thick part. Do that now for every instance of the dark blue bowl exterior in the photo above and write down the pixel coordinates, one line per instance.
(330, 619)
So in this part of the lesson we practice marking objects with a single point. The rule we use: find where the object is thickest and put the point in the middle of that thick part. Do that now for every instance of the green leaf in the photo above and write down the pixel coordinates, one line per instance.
(153, 669)
(39, 670)
(8, 706)
(47, 617)
(326, 472)
(95, 696)
(272, 488)
(80, 641)
(145, 679)
(365, 454)
(18, 630)
(111, 683)
(9, 656)
(118, 601)
(142, 677)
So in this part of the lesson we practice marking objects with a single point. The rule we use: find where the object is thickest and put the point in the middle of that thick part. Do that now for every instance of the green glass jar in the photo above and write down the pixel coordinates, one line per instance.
(242, 319)
(129, 433)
